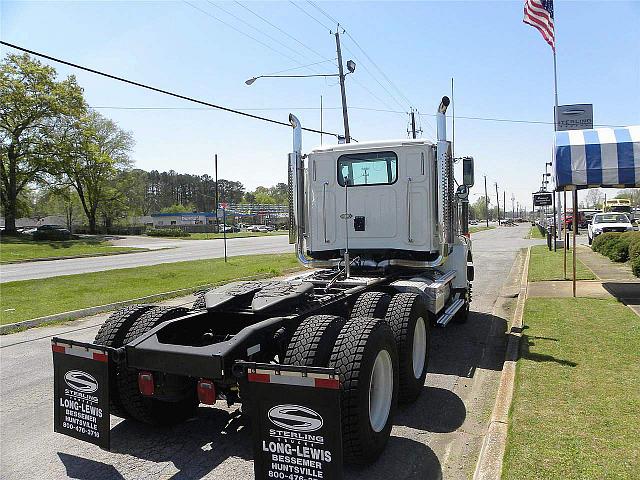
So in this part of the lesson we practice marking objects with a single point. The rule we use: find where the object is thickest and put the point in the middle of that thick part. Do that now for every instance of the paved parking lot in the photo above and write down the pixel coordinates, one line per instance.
(437, 437)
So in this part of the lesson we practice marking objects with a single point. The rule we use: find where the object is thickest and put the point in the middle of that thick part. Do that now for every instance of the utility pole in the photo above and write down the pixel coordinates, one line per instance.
(486, 200)
(513, 207)
(504, 204)
(216, 194)
(345, 115)
(498, 200)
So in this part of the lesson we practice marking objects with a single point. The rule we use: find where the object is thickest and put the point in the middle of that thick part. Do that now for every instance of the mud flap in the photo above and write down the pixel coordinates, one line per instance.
(295, 420)
(81, 390)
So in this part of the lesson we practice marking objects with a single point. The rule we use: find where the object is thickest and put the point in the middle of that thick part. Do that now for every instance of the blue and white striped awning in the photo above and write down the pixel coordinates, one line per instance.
(602, 157)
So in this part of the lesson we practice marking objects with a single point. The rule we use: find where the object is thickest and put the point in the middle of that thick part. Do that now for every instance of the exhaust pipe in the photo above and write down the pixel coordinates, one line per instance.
(296, 200)
(445, 180)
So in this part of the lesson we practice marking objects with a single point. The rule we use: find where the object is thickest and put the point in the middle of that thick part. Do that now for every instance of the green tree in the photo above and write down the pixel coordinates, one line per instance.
(32, 104)
(94, 148)
(178, 208)
(632, 194)
(478, 208)
(60, 200)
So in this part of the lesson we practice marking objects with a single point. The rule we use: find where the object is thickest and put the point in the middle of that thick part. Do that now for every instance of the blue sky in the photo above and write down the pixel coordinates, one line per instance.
(502, 69)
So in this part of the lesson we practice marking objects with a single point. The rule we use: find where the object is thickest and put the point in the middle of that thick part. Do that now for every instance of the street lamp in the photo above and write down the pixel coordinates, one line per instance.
(253, 79)
(351, 67)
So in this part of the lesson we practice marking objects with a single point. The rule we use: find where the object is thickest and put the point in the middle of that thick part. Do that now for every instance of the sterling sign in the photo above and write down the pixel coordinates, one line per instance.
(574, 117)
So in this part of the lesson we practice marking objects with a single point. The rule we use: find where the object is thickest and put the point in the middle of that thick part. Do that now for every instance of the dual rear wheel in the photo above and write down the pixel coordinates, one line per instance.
(380, 355)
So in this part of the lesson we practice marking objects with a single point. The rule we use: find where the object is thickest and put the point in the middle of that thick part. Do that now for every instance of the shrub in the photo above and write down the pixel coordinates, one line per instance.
(602, 243)
(635, 266)
(167, 232)
(634, 247)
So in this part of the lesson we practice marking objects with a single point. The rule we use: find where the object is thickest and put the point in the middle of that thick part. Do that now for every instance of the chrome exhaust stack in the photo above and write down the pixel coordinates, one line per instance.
(296, 200)
(445, 181)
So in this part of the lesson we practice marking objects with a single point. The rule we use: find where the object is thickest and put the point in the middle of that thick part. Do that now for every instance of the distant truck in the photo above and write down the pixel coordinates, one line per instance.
(388, 237)
(620, 205)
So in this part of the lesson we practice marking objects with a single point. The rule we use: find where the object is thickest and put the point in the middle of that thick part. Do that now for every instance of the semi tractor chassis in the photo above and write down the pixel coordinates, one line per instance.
(396, 262)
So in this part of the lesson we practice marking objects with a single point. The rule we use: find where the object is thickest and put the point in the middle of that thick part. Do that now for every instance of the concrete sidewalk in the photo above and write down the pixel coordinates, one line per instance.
(615, 280)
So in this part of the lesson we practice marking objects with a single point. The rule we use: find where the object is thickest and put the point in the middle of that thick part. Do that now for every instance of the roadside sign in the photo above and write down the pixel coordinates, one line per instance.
(574, 117)
(81, 391)
(542, 199)
(295, 420)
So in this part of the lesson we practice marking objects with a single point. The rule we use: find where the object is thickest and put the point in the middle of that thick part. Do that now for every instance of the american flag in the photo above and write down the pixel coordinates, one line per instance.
(539, 14)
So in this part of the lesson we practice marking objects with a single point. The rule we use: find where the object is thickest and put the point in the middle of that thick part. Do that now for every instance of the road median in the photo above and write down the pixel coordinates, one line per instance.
(71, 295)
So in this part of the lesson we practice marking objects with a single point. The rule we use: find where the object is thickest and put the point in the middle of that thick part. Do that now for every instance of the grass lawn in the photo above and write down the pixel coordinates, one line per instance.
(479, 229)
(19, 249)
(576, 408)
(209, 236)
(535, 233)
(547, 265)
(36, 298)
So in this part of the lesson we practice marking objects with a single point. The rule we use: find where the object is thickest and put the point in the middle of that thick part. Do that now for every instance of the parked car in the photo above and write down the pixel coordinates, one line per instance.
(51, 232)
(473, 222)
(608, 222)
(229, 229)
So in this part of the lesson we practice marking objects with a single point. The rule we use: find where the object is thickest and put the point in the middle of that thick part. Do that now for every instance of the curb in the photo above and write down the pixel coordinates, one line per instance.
(86, 312)
(489, 466)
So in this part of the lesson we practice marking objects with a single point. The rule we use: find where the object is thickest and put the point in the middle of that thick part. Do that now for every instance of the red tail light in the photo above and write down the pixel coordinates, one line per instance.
(206, 391)
(145, 383)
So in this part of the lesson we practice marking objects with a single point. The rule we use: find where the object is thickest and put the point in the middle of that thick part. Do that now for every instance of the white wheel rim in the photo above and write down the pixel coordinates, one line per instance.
(419, 347)
(380, 391)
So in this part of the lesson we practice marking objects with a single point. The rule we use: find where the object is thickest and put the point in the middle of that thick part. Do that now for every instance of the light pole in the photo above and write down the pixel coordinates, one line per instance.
(253, 79)
(351, 67)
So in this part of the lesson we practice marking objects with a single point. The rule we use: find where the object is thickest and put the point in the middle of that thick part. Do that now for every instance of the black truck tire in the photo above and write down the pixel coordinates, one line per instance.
(111, 334)
(313, 340)
(148, 409)
(371, 304)
(409, 320)
(365, 348)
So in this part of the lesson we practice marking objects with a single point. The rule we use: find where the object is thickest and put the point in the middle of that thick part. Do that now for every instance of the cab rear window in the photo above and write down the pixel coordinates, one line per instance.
(372, 168)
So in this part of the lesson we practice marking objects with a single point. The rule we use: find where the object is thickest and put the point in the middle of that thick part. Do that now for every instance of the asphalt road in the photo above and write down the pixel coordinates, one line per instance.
(439, 436)
(163, 251)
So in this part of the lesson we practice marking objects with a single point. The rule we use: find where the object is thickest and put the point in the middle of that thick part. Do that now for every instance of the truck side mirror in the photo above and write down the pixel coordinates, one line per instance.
(467, 171)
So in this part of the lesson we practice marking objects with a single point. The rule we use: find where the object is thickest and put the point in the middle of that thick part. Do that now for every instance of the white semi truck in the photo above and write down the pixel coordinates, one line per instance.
(387, 237)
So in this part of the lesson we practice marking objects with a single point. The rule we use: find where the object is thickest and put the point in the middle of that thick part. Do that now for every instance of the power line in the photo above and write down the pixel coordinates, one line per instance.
(256, 29)
(280, 30)
(302, 66)
(372, 76)
(512, 120)
(115, 107)
(317, 7)
(313, 4)
(332, 19)
(159, 90)
(310, 16)
(378, 68)
(209, 14)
